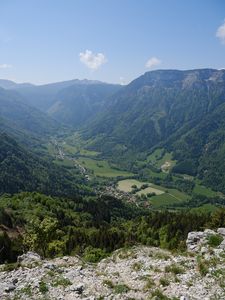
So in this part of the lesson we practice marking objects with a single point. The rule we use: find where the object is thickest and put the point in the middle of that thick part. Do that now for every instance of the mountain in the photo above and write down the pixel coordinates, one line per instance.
(182, 111)
(58, 101)
(158, 104)
(8, 84)
(19, 118)
(79, 103)
(22, 170)
(201, 151)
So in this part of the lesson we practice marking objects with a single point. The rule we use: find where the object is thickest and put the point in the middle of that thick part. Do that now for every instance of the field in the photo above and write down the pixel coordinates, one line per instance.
(126, 185)
(101, 168)
(149, 190)
(163, 195)
(202, 190)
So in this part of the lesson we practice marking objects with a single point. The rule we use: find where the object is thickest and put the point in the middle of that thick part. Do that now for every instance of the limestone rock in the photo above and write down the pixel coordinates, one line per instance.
(221, 231)
(28, 259)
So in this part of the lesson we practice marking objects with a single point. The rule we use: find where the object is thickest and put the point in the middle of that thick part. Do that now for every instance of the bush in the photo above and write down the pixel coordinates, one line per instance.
(121, 288)
(215, 240)
(93, 255)
(175, 269)
(43, 288)
(164, 281)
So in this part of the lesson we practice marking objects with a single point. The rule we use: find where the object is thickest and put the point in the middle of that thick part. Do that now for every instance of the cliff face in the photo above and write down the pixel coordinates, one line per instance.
(135, 273)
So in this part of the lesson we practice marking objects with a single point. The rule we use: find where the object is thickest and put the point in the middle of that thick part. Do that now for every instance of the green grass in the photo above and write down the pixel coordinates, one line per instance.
(150, 190)
(69, 149)
(206, 208)
(202, 190)
(84, 152)
(65, 162)
(172, 196)
(158, 159)
(101, 168)
(164, 196)
(126, 185)
(157, 154)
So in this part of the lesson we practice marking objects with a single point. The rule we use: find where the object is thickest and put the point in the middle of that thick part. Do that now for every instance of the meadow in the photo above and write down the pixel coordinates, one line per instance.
(101, 168)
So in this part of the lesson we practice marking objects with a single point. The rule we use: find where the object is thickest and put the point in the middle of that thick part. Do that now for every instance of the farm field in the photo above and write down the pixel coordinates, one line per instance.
(101, 168)
(126, 185)
(150, 190)
(202, 190)
(163, 195)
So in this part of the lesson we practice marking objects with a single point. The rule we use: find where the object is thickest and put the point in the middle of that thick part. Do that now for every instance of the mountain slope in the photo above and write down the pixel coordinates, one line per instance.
(201, 151)
(158, 104)
(21, 170)
(47, 97)
(79, 103)
(8, 84)
(21, 119)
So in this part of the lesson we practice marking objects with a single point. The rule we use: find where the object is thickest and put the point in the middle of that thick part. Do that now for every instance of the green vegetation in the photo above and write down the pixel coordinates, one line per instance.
(90, 226)
(164, 281)
(120, 289)
(61, 281)
(202, 266)
(102, 168)
(22, 170)
(215, 240)
(175, 269)
(203, 190)
(43, 288)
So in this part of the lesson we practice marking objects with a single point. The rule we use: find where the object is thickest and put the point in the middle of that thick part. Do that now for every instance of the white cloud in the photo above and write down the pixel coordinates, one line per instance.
(91, 60)
(220, 33)
(152, 62)
(5, 66)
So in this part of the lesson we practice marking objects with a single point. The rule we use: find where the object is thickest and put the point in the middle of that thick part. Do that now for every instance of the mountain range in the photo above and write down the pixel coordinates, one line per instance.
(181, 111)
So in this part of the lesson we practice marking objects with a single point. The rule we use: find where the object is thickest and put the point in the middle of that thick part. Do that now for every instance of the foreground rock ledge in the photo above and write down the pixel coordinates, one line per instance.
(136, 273)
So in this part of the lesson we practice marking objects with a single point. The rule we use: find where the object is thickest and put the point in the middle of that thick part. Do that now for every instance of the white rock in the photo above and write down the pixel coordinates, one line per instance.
(29, 258)
(221, 231)
(222, 245)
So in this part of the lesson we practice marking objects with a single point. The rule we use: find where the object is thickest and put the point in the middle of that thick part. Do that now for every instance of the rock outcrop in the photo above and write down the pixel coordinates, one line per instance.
(136, 273)
(197, 240)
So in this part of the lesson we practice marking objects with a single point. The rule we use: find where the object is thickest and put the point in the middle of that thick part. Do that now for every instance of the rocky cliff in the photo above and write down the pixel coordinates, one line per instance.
(135, 273)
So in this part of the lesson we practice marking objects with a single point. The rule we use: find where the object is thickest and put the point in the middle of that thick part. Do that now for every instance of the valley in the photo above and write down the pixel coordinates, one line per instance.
(112, 150)
(74, 152)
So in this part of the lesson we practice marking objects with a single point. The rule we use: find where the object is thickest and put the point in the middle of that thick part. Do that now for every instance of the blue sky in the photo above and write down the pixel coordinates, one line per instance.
(45, 41)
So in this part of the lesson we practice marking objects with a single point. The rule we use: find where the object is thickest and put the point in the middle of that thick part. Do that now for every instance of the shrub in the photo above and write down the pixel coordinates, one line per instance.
(121, 288)
(62, 281)
(164, 281)
(43, 288)
(94, 255)
(215, 240)
(175, 269)
(202, 266)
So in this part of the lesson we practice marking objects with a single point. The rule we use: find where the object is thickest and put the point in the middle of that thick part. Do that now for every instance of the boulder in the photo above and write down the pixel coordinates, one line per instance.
(9, 288)
(222, 245)
(194, 240)
(221, 231)
(29, 259)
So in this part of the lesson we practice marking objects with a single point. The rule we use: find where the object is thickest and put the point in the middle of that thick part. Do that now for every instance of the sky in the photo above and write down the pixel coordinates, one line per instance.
(43, 41)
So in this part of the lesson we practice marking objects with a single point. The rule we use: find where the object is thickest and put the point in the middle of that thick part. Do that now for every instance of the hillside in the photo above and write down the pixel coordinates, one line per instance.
(71, 102)
(21, 170)
(79, 103)
(158, 104)
(22, 119)
(181, 111)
